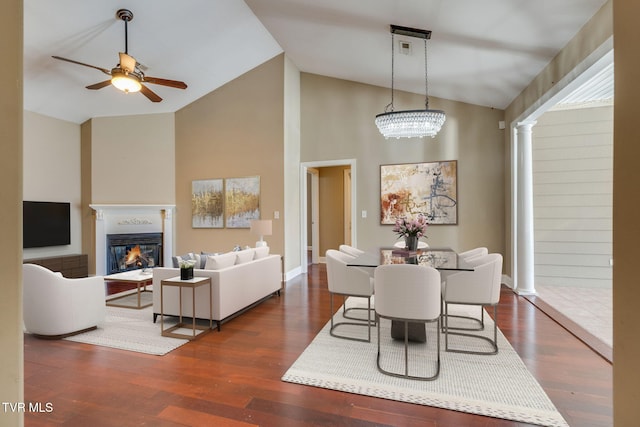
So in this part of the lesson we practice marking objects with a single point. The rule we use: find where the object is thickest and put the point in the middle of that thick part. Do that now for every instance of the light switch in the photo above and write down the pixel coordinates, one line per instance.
(276, 215)
(364, 214)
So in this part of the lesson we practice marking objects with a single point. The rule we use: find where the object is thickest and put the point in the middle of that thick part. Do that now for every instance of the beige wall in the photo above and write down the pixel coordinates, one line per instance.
(88, 214)
(132, 159)
(44, 139)
(235, 131)
(11, 339)
(338, 123)
(626, 200)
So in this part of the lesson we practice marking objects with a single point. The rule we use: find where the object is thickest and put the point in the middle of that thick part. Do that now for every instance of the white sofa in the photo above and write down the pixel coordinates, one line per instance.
(56, 307)
(233, 288)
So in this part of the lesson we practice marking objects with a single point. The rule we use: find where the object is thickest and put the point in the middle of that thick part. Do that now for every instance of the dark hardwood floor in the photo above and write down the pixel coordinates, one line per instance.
(232, 377)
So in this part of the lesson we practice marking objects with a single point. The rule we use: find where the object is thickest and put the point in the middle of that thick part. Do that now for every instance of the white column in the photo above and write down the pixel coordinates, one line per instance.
(525, 237)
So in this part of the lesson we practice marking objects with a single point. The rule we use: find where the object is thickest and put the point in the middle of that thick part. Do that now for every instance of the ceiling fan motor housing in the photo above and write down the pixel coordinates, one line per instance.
(124, 14)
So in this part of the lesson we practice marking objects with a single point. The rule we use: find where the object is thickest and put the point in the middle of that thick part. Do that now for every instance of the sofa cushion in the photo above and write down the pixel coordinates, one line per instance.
(217, 262)
(198, 259)
(203, 258)
(244, 256)
(261, 252)
(176, 259)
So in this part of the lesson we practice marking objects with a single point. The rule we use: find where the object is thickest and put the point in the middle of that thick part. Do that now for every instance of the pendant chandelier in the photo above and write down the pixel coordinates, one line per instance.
(410, 123)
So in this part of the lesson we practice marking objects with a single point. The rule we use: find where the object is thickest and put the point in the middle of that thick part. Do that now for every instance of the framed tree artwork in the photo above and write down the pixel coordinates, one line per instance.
(411, 189)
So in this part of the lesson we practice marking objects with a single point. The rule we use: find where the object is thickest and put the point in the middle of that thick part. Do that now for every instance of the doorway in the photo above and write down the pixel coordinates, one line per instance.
(314, 214)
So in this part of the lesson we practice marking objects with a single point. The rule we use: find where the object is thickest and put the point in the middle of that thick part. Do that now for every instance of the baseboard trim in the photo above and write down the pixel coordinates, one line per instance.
(291, 274)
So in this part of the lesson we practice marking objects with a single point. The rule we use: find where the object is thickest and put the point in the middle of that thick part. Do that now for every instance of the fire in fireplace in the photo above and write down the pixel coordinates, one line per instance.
(135, 257)
(133, 251)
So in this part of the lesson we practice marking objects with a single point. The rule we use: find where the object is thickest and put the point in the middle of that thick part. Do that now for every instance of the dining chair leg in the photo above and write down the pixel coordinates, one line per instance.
(360, 322)
(492, 342)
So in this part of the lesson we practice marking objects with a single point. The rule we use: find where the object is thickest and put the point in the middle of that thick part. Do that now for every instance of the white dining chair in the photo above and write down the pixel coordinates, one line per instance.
(408, 293)
(350, 250)
(472, 253)
(480, 287)
(349, 281)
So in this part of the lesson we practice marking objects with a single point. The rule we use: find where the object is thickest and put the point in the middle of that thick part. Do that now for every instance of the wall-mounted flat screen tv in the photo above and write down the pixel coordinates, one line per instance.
(46, 224)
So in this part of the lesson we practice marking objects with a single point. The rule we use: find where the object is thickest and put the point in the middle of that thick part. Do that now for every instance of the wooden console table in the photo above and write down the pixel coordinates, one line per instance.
(71, 266)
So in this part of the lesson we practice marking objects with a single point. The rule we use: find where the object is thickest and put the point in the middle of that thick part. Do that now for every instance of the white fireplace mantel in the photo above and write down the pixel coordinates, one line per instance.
(131, 218)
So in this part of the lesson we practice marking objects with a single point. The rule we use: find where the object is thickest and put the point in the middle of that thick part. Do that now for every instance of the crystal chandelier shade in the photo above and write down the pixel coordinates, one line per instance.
(410, 123)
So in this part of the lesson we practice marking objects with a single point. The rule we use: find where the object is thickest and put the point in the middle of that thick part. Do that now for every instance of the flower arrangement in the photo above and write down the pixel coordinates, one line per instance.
(186, 268)
(187, 263)
(414, 227)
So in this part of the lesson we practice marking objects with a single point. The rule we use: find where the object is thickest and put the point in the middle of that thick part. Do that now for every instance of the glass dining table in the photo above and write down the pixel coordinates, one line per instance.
(445, 260)
(442, 259)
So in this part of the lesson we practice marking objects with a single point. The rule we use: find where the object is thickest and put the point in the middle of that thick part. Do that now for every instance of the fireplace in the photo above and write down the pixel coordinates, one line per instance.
(119, 229)
(132, 251)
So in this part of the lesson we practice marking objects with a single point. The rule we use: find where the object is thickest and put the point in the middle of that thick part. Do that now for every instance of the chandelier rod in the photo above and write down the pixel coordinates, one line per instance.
(426, 80)
(389, 107)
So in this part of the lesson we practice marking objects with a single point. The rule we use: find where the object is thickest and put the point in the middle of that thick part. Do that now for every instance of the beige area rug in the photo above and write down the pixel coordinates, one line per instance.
(498, 386)
(130, 298)
(132, 330)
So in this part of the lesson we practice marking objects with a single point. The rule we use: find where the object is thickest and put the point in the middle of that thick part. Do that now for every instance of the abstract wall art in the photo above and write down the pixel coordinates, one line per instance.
(242, 201)
(430, 189)
(207, 203)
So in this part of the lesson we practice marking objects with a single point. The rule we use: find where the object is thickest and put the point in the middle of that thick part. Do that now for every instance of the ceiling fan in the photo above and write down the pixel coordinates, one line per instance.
(127, 75)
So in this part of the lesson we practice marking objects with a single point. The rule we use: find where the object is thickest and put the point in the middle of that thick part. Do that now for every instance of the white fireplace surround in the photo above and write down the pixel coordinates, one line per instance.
(125, 219)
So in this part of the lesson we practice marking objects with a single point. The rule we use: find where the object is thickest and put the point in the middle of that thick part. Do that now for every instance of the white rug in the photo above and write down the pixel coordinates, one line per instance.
(133, 330)
(497, 386)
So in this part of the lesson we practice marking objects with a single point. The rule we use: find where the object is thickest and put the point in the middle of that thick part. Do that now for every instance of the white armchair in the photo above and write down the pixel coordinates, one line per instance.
(57, 307)
(349, 281)
(479, 287)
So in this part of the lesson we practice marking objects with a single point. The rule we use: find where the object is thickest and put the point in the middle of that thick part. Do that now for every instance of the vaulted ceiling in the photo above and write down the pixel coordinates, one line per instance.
(481, 52)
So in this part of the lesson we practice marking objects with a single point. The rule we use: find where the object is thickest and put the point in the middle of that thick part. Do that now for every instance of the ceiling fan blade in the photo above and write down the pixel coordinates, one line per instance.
(153, 97)
(99, 85)
(127, 62)
(164, 82)
(104, 70)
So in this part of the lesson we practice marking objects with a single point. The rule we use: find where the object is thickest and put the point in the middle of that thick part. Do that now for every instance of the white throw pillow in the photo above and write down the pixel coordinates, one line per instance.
(244, 256)
(261, 252)
(197, 259)
(217, 262)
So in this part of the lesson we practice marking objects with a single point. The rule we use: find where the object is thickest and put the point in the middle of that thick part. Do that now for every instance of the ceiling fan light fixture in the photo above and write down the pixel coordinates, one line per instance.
(410, 123)
(127, 83)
